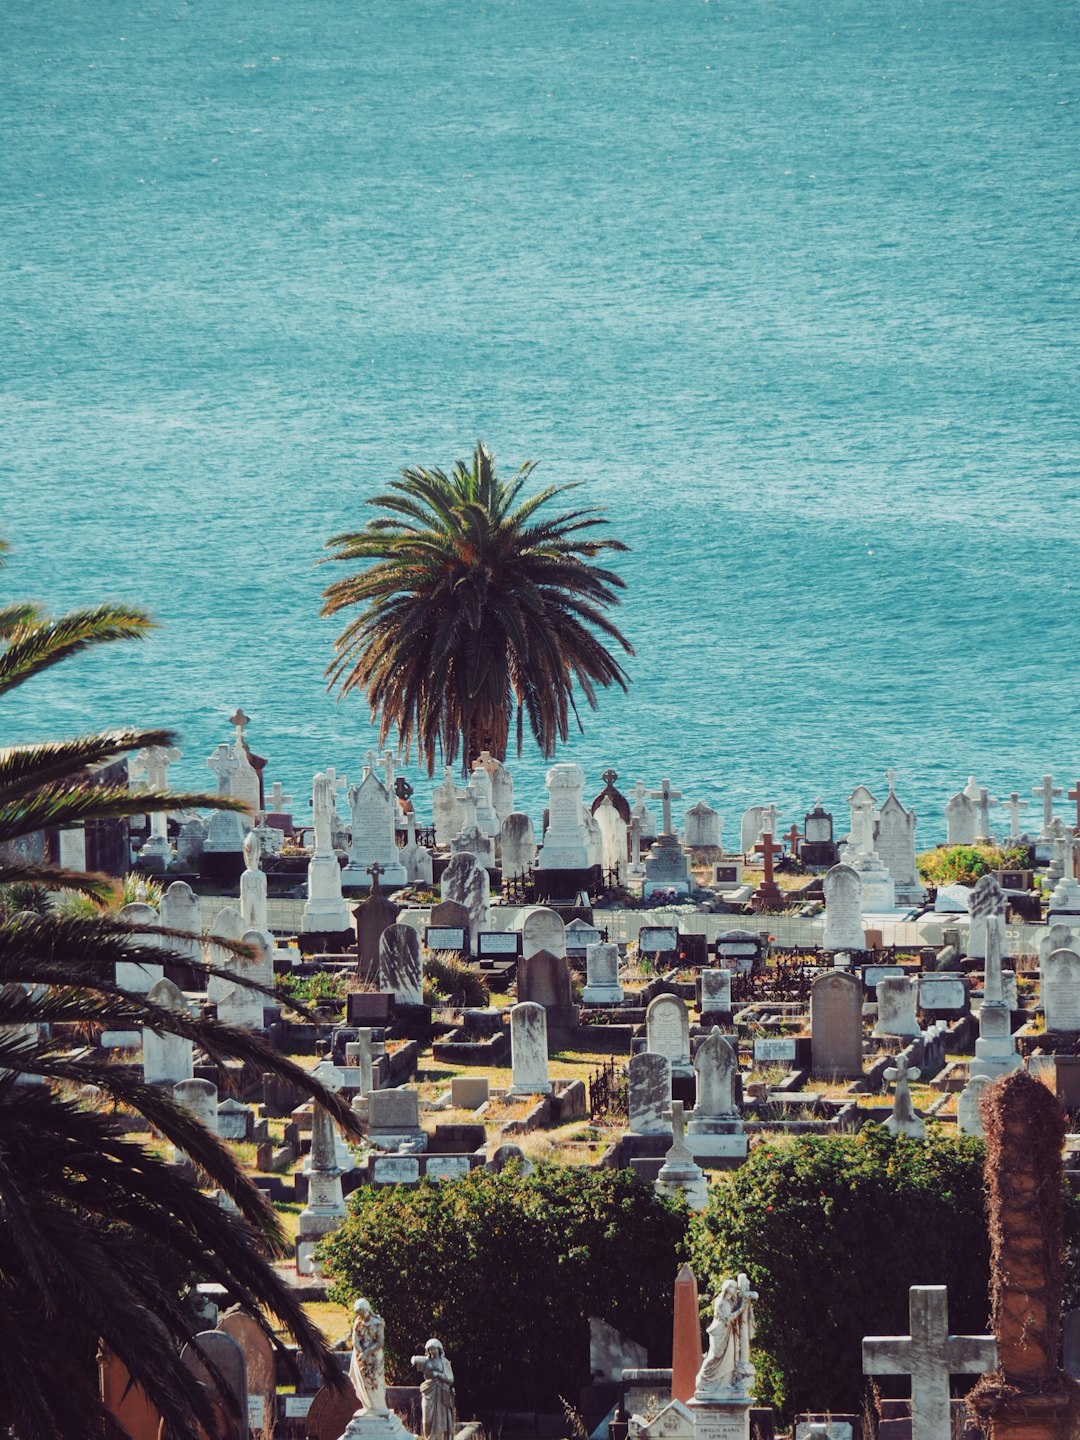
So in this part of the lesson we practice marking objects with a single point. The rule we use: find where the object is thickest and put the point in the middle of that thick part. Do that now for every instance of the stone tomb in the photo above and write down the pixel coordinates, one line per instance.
(667, 1032)
(836, 1025)
(394, 1120)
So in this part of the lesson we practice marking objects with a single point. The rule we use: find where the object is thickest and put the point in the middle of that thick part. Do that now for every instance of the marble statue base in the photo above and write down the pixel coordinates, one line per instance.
(367, 1425)
(721, 1419)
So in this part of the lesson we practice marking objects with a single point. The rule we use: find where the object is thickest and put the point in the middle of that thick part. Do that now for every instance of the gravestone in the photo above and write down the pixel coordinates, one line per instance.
(613, 837)
(180, 911)
(968, 1113)
(125, 1401)
(1057, 937)
(836, 1025)
(237, 1004)
(472, 838)
(447, 808)
(715, 993)
(517, 843)
(325, 910)
(667, 1032)
(374, 830)
(818, 847)
(394, 1120)
(261, 1369)
(487, 819)
(649, 1094)
(986, 899)
(602, 976)
(896, 1007)
(400, 971)
(843, 910)
(667, 867)
(543, 929)
(715, 1127)
(253, 885)
(751, 827)
(544, 979)
(261, 968)
(943, 992)
(961, 820)
(216, 1348)
(703, 827)
(130, 975)
(372, 917)
(466, 881)
(1060, 992)
(449, 919)
(167, 1059)
(895, 844)
(528, 1050)
(502, 784)
(566, 839)
(903, 1120)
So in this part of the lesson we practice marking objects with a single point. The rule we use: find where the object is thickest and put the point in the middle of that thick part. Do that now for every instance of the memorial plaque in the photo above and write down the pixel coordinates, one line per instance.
(298, 1406)
(874, 974)
(733, 1424)
(498, 942)
(947, 993)
(395, 1169)
(580, 937)
(447, 1167)
(781, 1049)
(727, 876)
(658, 939)
(444, 938)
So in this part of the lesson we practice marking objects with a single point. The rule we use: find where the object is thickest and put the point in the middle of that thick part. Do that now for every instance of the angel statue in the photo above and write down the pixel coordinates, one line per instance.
(727, 1368)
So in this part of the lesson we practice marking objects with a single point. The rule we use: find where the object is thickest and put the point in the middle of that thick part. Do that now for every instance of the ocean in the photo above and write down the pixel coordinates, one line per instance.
(789, 287)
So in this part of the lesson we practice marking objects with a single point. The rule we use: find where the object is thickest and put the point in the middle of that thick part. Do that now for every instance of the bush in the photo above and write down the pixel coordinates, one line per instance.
(320, 987)
(964, 864)
(447, 976)
(506, 1270)
(832, 1231)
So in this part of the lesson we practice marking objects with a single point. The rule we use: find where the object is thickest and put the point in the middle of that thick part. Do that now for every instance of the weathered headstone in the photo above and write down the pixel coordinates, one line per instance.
(544, 979)
(649, 1093)
(180, 911)
(986, 899)
(703, 827)
(715, 992)
(130, 975)
(400, 971)
(217, 1349)
(167, 1058)
(896, 1007)
(1061, 992)
(542, 929)
(517, 844)
(566, 839)
(261, 1369)
(528, 1050)
(466, 881)
(843, 910)
(602, 976)
(836, 1025)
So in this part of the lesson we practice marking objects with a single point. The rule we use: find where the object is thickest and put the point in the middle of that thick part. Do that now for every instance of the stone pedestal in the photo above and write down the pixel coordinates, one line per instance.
(995, 1049)
(368, 1425)
(878, 894)
(325, 908)
(722, 1419)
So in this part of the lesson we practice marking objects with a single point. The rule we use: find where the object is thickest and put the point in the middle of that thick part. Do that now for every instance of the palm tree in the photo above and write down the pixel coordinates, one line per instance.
(99, 1236)
(475, 608)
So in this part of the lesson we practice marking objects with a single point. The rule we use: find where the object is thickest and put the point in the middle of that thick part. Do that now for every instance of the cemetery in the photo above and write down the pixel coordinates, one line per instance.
(492, 998)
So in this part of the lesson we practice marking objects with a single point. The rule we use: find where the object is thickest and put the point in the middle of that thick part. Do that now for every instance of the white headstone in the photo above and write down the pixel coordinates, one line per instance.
(1061, 992)
(167, 1058)
(566, 839)
(602, 976)
(667, 1032)
(466, 882)
(542, 929)
(528, 1050)
(703, 827)
(843, 910)
(896, 998)
(613, 837)
(517, 845)
(140, 978)
(448, 808)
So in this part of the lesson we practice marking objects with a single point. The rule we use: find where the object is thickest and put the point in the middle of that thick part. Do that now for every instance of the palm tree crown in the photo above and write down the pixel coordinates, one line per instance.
(474, 609)
(100, 1236)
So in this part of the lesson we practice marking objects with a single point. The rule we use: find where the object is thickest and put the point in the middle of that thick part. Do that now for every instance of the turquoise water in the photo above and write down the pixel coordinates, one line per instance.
(791, 286)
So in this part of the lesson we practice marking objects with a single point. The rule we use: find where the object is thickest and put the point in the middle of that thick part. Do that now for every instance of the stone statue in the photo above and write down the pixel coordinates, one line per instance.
(436, 1392)
(322, 805)
(367, 1369)
(726, 1369)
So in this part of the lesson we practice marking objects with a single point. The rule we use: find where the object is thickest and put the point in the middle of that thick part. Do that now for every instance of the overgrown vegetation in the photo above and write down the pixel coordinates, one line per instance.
(320, 988)
(963, 864)
(448, 977)
(506, 1270)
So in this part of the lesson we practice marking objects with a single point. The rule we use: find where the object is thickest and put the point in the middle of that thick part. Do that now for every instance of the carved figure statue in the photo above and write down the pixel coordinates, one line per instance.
(436, 1392)
(727, 1366)
(322, 805)
(367, 1369)
(252, 850)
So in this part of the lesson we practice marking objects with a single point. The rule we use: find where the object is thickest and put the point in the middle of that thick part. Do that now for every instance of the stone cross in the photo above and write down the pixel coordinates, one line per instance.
(666, 795)
(153, 761)
(609, 777)
(1015, 805)
(929, 1355)
(1046, 792)
(678, 1123)
(375, 871)
(635, 843)
(224, 765)
(239, 720)
(371, 761)
(1074, 794)
(902, 1071)
(794, 840)
(278, 798)
(890, 776)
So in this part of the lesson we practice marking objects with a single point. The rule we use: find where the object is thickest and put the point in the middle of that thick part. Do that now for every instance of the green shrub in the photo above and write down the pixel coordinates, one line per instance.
(963, 864)
(832, 1231)
(447, 976)
(506, 1270)
(322, 986)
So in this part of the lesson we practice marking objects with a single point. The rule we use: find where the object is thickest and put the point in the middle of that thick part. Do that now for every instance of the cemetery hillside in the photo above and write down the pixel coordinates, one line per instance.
(402, 1108)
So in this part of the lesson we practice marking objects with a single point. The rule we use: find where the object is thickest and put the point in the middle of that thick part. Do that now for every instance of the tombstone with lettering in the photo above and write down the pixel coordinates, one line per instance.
(602, 976)
(942, 994)
(986, 899)
(739, 950)
(498, 945)
(659, 940)
(613, 837)
(167, 1058)
(260, 1367)
(667, 1032)
(580, 934)
(566, 839)
(1061, 992)
(961, 820)
(180, 911)
(818, 849)
(836, 1025)
(394, 1119)
(727, 875)
(843, 910)
(449, 928)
